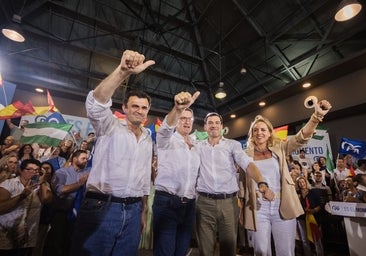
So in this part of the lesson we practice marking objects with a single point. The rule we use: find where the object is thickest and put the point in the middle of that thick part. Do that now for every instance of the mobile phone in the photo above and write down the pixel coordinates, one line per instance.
(34, 180)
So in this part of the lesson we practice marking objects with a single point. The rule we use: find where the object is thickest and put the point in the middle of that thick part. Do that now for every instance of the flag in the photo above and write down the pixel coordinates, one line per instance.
(158, 123)
(281, 132)
(55, 118)
(352, 170)
(329, 162)
(320, 132)
(355, 148)
(50, 102)
(50, 134)
(119, 115)
(152, 132)
(15, 110)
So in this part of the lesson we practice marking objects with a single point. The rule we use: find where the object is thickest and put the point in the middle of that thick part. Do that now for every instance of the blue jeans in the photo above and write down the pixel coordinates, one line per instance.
(107, 228)
(172, 225)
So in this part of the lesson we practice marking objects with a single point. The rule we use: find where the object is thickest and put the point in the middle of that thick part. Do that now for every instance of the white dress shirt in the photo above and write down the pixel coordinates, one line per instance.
(121, 164)
(217, 173)
(177, 163)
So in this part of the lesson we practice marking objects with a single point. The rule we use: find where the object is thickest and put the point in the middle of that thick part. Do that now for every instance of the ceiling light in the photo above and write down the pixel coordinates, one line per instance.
(243, 71)
(347, 9)
(306, 85)
(232, 116)
(39, 90)
(13, 35)
(220, 93)
(12, 31)
(262, 103)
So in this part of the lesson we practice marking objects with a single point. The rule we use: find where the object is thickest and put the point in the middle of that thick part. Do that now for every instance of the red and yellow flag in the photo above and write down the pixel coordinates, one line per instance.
(281, 132)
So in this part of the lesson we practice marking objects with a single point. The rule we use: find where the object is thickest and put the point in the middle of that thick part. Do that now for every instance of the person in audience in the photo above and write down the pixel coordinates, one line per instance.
(361, 167)
(66, 149)
(311, 204)
(264, 218)
(91, 140)
(65, 183)
(84, 146)
(25, 152)
(21, 200)
(9, 146)
(175, 193)
(217, 210)
(322, 161)
(8, 167)
(351, 193)
(311, 177)
(115, 203)
(299, 169)
(303, 160)
(46, 213)
(341, 172)
(361, 186)
(16, 131)
(319, 184)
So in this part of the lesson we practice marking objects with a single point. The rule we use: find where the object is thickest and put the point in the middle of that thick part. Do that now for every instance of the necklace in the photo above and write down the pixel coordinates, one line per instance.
(263, 152)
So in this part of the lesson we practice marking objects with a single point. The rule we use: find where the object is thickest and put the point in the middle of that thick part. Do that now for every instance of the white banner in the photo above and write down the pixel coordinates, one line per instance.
(316, 147)
(348, 209)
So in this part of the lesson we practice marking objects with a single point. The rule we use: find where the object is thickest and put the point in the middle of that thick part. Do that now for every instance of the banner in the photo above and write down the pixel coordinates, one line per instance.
(316, 147)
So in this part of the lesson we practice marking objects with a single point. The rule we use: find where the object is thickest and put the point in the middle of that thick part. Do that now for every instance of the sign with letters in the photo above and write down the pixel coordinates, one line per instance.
(348, 209)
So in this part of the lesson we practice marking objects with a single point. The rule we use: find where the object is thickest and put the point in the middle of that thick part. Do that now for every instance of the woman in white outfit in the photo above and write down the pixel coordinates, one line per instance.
(264, 218)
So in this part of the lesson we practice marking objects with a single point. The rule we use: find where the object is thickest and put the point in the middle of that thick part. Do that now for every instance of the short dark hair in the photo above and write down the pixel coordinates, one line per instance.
(25, 162)
(138, 94)
(77, 153)
(213, 114)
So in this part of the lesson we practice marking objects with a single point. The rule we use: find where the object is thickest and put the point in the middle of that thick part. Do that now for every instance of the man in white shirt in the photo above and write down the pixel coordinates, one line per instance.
(217, 186)
(175, 184)
(113, 212)
(341, 172)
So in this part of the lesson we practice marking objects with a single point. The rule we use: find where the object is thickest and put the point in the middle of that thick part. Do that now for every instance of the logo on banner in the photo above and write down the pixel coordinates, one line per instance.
(347, 146)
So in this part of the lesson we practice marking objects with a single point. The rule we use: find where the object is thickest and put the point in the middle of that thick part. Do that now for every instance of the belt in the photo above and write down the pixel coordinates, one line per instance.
(110, 198)
(167, 194)
(217, 196)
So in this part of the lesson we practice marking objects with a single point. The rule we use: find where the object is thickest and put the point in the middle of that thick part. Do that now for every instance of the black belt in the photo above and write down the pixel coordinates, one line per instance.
(217, 196)
(182, 199)
(110, 198)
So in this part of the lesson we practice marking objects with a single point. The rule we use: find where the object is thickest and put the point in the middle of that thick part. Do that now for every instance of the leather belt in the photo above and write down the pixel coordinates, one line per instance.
(110, 198)
(217, 196)
(167, 194)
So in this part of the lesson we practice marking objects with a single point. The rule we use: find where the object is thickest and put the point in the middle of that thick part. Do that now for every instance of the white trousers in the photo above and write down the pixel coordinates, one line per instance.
(269, 222)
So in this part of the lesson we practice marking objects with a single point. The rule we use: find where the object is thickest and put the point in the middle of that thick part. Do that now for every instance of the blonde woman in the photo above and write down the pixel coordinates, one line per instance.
(276, 217)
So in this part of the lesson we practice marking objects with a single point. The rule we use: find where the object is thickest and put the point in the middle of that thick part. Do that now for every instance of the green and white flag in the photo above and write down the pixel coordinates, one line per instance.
(50, 134)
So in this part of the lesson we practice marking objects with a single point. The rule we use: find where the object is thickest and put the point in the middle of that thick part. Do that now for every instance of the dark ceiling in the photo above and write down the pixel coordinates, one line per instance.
(71, 45)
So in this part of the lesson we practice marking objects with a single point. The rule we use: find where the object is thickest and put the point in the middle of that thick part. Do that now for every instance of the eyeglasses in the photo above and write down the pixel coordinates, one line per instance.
(183, 118)
(32, 170)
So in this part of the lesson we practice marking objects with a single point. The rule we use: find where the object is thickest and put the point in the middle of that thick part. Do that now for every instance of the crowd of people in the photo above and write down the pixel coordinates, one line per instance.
(209, 192)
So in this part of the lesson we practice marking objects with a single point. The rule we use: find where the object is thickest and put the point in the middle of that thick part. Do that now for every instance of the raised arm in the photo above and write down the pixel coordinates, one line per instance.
(182, 101)
(321, 109)
(131, 63)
